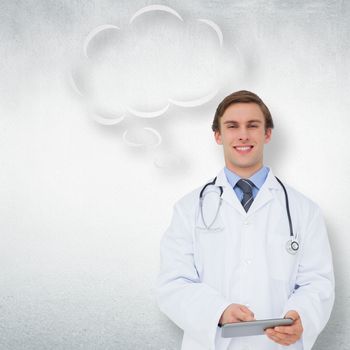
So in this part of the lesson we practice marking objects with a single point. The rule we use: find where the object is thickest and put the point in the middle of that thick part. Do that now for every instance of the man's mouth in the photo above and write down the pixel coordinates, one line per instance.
(243, 149)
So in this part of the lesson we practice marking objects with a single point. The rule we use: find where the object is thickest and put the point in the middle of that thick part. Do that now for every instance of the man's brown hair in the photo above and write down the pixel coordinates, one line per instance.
(242, 96)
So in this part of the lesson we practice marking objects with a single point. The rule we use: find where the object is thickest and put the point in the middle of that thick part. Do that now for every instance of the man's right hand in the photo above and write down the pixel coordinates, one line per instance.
(236, 313)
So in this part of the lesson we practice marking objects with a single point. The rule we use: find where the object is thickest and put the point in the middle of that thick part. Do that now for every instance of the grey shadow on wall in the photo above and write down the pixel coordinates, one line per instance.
(276, 149)
(275, 154)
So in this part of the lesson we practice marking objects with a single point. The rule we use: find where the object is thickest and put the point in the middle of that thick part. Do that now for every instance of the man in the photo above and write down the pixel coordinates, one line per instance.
(231, 254)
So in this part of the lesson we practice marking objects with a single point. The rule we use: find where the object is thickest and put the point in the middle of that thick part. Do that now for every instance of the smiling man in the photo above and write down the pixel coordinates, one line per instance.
(243, 134)
(245, 246)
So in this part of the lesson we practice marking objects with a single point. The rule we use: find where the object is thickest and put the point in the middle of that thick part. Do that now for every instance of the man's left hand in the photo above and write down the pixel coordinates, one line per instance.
(287, 335)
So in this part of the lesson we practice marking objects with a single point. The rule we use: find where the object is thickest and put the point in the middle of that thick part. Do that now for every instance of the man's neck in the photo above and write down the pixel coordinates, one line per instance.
(244, 173)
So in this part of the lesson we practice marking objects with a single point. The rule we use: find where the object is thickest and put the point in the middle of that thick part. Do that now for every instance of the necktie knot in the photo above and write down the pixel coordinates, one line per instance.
(247, 187)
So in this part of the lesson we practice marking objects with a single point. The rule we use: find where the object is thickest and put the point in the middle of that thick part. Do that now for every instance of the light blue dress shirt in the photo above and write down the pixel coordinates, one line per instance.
(258, 180)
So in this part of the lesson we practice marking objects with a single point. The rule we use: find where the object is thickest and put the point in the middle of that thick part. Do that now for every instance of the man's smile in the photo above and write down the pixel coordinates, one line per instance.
(243, 149)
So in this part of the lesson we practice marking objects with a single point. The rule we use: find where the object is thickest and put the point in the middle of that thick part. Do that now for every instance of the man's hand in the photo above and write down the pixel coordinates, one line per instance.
(236, 313)
(287, 335)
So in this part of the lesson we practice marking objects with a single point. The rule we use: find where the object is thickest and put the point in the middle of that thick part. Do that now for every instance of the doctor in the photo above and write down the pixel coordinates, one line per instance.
(228, 256)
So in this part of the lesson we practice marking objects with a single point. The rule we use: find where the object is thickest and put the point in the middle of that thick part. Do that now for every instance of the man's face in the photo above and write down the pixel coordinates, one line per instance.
(243, 135)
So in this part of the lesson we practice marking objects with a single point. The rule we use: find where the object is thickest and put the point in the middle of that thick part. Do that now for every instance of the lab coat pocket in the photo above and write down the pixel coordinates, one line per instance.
(209, 254)
(282, 264)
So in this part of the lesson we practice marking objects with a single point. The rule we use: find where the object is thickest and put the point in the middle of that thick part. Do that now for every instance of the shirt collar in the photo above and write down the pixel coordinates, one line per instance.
(257, 178)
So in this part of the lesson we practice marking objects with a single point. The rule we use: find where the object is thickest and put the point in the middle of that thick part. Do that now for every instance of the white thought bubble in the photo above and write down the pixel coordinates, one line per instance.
(158, 60)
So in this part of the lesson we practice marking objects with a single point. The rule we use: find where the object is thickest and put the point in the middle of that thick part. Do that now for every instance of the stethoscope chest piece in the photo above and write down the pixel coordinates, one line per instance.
(292, 246)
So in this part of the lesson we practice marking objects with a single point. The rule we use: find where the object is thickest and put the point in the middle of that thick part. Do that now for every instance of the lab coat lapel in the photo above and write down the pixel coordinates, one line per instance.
(229, 195)
(265, 194)
(263, 197)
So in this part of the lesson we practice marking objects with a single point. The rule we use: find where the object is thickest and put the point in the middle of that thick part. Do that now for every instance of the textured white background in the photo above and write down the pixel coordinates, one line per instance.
(81, 213)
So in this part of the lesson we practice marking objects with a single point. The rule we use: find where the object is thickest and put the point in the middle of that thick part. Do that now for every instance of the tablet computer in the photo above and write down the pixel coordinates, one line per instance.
(256, 327)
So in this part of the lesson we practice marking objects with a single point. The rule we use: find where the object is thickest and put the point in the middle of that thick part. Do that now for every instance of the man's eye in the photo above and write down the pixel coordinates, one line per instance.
(232, 126)
(253, 126)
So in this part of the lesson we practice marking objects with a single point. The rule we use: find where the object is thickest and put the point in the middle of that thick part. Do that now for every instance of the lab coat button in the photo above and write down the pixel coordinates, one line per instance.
(248, 261)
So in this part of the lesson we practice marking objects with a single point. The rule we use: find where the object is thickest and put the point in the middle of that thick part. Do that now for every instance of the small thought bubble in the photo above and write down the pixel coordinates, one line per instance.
(142, 137)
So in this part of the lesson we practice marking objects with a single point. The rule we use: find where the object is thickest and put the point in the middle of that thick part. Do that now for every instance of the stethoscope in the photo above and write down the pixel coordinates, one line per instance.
(292, 245)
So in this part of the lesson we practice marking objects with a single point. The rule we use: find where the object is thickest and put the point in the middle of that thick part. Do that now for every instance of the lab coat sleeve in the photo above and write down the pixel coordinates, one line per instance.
(192, 305)
(314, 298)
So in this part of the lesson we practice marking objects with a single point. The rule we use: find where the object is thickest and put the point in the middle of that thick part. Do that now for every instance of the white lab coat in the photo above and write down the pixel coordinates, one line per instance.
(243, 260)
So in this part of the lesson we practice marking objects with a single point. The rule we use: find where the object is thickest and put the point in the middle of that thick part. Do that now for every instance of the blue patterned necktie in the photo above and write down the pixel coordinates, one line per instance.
(247, 187)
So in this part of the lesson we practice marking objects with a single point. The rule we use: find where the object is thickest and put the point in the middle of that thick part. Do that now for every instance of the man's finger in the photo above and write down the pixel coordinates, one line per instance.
(246, 317)
(281, 338)
(245, 314)
(287, 330)
(244, 309)
(292, 314)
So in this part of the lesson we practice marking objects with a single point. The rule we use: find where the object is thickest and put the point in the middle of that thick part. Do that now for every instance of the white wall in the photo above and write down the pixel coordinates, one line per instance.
(82, 212)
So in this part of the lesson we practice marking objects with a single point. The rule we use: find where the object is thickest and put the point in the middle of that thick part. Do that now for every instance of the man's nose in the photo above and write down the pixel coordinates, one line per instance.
(243, 134)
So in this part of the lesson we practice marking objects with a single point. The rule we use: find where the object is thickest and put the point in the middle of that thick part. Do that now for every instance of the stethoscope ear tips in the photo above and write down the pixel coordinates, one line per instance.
(292, 247)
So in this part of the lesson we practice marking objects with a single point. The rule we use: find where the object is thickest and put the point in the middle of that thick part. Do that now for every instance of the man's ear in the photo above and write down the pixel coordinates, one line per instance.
(217, 136)
(268, 135)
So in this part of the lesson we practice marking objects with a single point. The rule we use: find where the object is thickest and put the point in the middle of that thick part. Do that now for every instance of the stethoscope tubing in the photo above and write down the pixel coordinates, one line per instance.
(287, 207)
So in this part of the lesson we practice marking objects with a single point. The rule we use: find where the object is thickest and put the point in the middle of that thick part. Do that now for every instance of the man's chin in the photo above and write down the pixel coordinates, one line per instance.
(245, 166)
